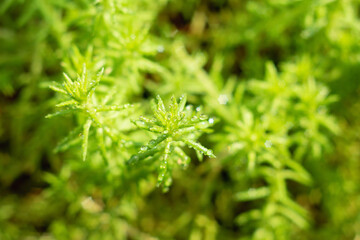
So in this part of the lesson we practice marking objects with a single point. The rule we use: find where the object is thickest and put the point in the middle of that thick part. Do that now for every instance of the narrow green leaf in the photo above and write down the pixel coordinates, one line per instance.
(160, 104)
(199, 155)
(113, 108)
(101, 143)
(293, 216)
(184, 159)
(83, 80)
(182, 103)
(62, 112)
(142, 155)
(173, 107)
(94, 84)
(199, 147)
(68, 79)
(153, 143)
(57, 89)
(160, 117)
(162, 172)
(66, 103)
(85, 138)
(249, 216)
(252, 194)
(70, 140)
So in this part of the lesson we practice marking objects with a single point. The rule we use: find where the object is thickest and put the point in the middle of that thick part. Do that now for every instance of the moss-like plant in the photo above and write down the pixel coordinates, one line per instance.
(80, 98)
(175, 127)
(277, 78)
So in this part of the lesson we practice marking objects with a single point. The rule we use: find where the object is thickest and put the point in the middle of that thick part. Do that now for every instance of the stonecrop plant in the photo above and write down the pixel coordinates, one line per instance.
(80, 98)
(167, 119)
(175, 127)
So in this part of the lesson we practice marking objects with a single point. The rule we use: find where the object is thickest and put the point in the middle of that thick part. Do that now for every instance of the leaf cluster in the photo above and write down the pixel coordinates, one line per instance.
(175, 127)
(82, 100)
(277, 77)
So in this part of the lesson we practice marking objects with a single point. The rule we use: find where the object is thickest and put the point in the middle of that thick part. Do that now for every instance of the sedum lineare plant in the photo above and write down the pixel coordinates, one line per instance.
(175, 127)
(271, 143)
(114, 156)
(80, 98)
(178, 126)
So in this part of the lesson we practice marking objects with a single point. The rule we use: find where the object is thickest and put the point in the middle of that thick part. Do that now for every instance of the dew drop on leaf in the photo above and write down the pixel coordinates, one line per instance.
(268, 144)
(160, 49)
(194, 118)
(135, 158)
(223, 99)
(203, 117)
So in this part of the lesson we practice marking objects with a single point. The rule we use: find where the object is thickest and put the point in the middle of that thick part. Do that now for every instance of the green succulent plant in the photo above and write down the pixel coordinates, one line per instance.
(175, 127)
(80, 98)
(277, 80)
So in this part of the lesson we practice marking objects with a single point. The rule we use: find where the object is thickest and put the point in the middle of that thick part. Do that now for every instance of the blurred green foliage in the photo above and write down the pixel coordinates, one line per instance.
(277, 80)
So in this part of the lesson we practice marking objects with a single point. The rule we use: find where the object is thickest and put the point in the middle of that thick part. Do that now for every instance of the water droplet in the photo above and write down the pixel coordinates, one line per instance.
(223, 99)
(143, 148)
(211, 120)
(198, 109)
(194, 118)
(166, 132)
(160, 49)
(203, 117)
(203, 124)
(268, 144)
(188, 107)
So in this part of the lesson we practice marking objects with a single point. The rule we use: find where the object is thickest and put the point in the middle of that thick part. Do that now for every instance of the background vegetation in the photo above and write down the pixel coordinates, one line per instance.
(217, 119)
